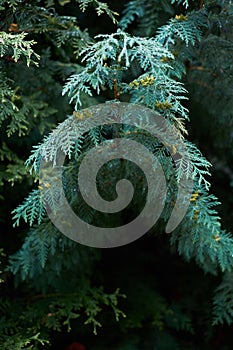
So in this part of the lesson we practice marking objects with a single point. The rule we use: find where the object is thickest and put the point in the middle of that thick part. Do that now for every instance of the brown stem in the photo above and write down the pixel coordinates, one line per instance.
(116, 93)
(11, 59)
(47, 296)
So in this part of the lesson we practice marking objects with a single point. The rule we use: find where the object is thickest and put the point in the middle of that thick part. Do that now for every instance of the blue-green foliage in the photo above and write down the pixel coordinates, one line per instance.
(183, 2)
(31, 208)
(223, 300)
(143, 69)
(108, 59)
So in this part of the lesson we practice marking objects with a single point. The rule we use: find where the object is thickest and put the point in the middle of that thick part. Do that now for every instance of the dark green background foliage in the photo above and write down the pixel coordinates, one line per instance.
(164, 291)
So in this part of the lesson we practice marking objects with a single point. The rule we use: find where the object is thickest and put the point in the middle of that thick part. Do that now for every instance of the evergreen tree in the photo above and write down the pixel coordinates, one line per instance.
(173, 57)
